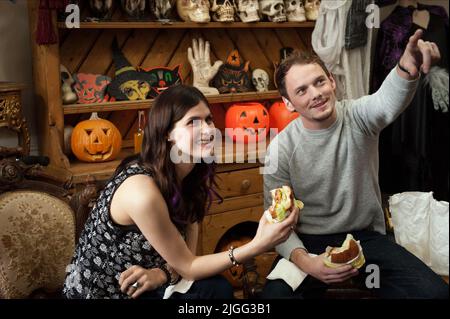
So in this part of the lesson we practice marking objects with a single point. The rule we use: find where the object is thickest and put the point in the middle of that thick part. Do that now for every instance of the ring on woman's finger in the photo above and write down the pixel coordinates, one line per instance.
(136, 285)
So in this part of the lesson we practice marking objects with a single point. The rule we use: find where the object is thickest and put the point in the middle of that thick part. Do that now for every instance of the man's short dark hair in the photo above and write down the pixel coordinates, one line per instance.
(295, 58)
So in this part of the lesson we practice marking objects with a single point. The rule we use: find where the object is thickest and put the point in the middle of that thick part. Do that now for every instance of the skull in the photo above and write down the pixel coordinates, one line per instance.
(134, 9)
(260, 80)
(312, 9)
(248, 10)
(295, 11)
(67, 81)
(162, 8)
(193, 10)
(223, 10)
(273, 9)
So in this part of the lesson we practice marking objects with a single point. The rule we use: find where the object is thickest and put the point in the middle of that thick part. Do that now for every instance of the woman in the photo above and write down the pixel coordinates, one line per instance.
(147, 216)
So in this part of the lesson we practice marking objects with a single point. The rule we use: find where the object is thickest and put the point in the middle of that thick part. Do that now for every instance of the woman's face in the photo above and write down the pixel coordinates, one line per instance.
(194, 134)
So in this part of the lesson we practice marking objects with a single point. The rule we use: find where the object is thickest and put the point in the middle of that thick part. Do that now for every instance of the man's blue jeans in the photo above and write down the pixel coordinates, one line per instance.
(402, 275)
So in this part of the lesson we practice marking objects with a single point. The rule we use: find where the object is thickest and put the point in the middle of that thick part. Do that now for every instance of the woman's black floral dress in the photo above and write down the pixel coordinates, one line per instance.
(105, 249)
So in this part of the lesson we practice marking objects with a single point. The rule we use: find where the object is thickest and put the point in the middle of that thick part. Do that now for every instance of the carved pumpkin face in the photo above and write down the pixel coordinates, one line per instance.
(247, 122)
(96, 140)
(280, 116)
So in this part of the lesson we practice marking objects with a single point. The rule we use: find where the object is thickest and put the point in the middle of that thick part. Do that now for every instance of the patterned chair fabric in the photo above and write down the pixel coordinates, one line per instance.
(37, 241)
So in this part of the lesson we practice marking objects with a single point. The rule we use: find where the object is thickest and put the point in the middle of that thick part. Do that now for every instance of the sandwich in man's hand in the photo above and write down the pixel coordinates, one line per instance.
(350, 253)
(283, 203)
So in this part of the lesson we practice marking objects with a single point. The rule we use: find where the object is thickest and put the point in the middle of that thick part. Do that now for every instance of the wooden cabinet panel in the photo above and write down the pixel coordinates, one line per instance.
(215, 226)
(238, 183)
(236, 203)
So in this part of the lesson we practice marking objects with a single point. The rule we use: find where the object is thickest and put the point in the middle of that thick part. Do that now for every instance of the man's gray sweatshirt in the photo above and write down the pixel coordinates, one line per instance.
(334, 171)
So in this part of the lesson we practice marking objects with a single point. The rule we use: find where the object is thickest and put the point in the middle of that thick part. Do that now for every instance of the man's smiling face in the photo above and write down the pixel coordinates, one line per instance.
(312, 94)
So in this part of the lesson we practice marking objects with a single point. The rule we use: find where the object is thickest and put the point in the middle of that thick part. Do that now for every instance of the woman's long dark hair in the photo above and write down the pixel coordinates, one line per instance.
(186, 202)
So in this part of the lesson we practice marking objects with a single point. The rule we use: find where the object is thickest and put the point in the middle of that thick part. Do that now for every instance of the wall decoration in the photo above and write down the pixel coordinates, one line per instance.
(96, 140)
(250, 121)
(67, 92)
(295, 10)
(163, 10)
(248, 10)
(223, 10)
(160, 78)
(101, 10)
(284, 53)
(233, 76)
(260, 80)
(128, 84)
(133, 9)
(199, 58)
(194, 10)
(312, 9)
(90, 88)
(280, 116)
(273, 10)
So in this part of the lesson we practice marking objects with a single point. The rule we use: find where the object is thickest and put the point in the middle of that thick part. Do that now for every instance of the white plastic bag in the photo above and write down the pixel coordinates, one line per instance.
(439, 237)
(421, 226)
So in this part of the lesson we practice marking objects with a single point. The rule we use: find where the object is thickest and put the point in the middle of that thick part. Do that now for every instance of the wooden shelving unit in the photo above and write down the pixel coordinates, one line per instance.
(155, 44)
(226, 154)
(188, 25)
(145, 44)
(141, 105)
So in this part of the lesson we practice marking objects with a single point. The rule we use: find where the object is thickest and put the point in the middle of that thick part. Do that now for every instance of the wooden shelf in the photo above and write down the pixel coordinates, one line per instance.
(187, 25)
(146, 104)
(227, 155)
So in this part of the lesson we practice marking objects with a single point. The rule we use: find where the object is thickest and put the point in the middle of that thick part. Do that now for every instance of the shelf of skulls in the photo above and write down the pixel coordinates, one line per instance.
(146, 104)
(188, 25)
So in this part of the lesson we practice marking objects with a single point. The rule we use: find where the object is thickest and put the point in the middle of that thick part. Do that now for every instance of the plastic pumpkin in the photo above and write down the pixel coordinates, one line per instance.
(280, 116)
(249, 122)
(96, 140)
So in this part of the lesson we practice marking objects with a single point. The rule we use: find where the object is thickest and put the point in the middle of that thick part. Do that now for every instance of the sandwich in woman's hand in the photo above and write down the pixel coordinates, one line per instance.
(350, 253)
(283, 203)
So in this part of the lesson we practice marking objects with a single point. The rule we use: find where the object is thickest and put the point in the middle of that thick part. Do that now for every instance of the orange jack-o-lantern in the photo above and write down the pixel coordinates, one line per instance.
(280, 116)
(249, 122)
(233, 274)
(96, 140)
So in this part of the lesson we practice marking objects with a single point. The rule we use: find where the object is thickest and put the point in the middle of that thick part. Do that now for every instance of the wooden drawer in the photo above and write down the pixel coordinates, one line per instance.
(236, 203)
(241, 182)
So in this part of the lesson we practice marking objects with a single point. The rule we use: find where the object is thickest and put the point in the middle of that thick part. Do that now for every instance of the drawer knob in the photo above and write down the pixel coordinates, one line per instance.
(245, 185)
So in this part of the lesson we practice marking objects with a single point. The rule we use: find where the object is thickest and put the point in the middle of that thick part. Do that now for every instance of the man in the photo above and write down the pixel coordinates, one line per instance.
(329, 156)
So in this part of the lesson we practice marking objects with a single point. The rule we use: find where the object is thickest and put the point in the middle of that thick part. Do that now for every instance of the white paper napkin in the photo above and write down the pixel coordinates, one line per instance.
(288, 272)
(182, 287)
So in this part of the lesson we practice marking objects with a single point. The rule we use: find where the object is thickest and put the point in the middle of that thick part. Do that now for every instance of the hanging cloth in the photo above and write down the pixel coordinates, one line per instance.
(350, 68)
(45, 33)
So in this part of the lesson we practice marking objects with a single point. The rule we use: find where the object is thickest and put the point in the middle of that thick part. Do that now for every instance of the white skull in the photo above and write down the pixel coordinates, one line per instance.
(273, 9)
(248, 10)
(312, 9)
(260, 80)
(193, 10)
(163, 8)
(295, 10)
(223, 10)
(67, 81)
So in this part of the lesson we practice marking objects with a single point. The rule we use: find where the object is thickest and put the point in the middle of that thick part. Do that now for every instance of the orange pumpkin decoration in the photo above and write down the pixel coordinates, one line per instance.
(280, 116)
(96, 140)
(233, 274)
(250, 122)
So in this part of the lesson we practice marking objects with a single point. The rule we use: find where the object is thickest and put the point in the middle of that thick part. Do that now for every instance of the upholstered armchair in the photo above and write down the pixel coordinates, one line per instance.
(39, 223)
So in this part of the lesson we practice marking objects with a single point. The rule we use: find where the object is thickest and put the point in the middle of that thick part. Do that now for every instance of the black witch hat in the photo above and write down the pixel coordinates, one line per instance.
(124, 72)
